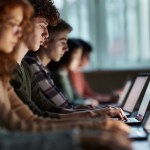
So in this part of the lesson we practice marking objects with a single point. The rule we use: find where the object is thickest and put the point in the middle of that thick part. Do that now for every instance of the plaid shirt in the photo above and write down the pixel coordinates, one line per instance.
(45, 82)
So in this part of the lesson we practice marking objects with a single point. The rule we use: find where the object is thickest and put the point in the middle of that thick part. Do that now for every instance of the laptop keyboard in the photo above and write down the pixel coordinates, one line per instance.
(132, 120)
(137, 132)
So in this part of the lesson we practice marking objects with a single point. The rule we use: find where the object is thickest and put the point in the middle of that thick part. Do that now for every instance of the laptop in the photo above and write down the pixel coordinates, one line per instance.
(142, 110)
(140, 133)
(134, 94)
(122, 97)
(124, 92)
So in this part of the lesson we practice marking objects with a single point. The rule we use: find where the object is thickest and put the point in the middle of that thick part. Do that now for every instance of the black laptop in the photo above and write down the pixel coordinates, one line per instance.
(142, 110)
(122, 98)
(135, 93)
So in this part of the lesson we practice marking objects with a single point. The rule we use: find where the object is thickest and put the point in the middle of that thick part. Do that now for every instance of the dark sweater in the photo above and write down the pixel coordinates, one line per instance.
(37, 102)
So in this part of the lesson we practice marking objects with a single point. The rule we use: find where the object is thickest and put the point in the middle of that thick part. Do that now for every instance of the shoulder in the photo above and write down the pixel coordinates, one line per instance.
(30, 58)
(26, 67)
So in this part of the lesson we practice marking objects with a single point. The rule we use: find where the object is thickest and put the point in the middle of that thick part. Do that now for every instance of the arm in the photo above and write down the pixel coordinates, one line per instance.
(22, 91)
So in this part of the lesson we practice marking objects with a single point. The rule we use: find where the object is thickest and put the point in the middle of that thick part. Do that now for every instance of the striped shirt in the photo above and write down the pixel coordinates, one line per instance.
(43, 78)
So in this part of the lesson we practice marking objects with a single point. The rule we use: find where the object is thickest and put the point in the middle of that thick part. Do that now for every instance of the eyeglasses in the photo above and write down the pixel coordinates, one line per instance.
(15, 27)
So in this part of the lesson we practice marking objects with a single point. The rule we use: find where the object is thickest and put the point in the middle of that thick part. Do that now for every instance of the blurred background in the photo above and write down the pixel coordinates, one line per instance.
(119, 31)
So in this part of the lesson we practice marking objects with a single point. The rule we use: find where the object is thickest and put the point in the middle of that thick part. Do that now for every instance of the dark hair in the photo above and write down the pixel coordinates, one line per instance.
(73, 44)
(7, 62)
(87, 48)
(62, 26)
(46, 9)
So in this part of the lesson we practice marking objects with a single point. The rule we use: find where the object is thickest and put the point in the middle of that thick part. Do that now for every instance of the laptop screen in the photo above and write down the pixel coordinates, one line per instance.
(135, 93)
(144, 104)
(147, 125)
(124, 92)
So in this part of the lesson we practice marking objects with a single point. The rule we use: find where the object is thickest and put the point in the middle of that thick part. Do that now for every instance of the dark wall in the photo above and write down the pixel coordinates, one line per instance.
(107, 81)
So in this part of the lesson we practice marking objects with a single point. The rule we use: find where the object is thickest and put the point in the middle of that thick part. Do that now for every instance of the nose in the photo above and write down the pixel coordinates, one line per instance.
(66, 48)
(45, 33)
(19, 32)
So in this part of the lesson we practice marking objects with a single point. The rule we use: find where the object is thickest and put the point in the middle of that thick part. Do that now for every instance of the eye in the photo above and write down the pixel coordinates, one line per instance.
(12, 24)
(42, 26)
(64, 42)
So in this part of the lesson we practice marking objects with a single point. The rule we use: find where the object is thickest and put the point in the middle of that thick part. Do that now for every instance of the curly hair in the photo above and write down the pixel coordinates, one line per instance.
(7, 62)
(46, 9)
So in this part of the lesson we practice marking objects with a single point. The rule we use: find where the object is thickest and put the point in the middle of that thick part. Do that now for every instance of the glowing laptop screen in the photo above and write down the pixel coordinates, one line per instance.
(135, 93)
(124, 93)
(147, 125)
(144, 104)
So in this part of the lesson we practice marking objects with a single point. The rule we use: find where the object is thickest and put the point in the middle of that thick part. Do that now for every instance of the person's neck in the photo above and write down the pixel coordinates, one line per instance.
(45, 60)
(22, 50)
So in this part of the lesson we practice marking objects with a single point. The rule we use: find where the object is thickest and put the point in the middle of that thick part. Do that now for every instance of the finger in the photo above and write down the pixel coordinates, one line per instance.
(124, 116)
(121, 116)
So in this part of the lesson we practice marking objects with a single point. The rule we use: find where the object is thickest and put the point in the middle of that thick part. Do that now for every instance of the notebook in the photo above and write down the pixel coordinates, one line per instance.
(135, 93)
(142, 110)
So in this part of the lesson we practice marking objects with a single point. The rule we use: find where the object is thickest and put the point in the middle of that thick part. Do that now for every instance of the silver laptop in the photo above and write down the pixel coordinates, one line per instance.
(138, 133)
(142, 110)
(134, 94)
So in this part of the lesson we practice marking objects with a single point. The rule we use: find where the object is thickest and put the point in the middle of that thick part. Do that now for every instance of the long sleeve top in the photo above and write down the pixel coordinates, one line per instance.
(68, 140)
(16, 116)
(37, 102)
(43, 78)
(80, 84)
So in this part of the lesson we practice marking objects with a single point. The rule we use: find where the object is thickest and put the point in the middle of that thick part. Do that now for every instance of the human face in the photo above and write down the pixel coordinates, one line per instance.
(57, 48)
(39, 34)
(11, 30)
(75, 59)
(85, 60)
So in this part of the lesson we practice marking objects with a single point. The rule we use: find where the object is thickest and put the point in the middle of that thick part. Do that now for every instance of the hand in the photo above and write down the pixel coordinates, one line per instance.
(104, 140)
(116, 112)
(106, 123)
(112, 112)
(103, 123)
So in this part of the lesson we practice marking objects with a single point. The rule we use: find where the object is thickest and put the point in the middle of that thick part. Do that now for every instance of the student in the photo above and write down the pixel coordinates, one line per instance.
(14, 17)
(79, 82)
(44, 104)
(45, 12)
(60, 70)
(38, 62)
(57, 37)
(13, 21)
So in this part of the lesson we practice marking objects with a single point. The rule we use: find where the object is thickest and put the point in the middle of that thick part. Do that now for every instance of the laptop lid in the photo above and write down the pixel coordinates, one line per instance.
(135, 93)
(124, 92)
(144, 104)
